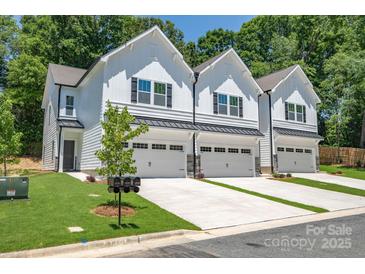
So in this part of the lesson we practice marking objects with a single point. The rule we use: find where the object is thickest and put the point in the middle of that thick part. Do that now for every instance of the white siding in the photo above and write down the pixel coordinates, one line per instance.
(50, 133)
(149, 59)
(265, 151)
(90, 115)
(293, 90)
(226, 77)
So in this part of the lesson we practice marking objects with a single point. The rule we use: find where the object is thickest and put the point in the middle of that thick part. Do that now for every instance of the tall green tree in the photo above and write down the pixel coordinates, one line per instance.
(10, 143)
(8, 34)
(116, 159)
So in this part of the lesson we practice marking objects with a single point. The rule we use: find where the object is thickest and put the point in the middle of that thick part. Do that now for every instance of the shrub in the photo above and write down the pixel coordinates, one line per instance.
(90, 179)
(281, 175)
(275, 175)
(288, 175)
(338, 172)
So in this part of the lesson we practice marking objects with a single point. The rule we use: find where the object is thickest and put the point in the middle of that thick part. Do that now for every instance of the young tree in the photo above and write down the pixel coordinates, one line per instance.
(9, 139)
(116, 159)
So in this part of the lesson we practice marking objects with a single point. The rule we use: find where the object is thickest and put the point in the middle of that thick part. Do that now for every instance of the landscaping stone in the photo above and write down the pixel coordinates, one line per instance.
(74, 229)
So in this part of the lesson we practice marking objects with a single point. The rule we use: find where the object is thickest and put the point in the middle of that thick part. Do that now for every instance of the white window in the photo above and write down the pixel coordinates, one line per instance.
(69, 105)
(125, 144)
(176, 147)
(159, 146)
(205, 149)
(281, 149)
(140, 145)
(309, 151)
(222, 104)
(144, 91)
(299, 113)
(233, 105)
(219, 149)
(289, 149)
(299, 150)
(159, 98)
(233, 150)
(246, 151)
(291, 112)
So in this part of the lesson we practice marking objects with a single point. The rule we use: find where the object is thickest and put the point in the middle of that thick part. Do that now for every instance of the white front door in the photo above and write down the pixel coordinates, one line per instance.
(226, 161)
(159, 159)
(295, 159)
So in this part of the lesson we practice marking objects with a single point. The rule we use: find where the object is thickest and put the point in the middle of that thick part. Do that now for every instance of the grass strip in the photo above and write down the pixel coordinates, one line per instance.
(323, 185)
(268, 197)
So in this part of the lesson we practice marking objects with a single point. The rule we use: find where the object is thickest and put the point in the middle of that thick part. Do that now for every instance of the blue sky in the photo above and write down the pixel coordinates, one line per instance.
(195, 26)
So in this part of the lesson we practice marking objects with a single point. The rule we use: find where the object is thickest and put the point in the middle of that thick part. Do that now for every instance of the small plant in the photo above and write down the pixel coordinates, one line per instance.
(90, 179)
(338, 172)
(281, 175)
(278, 175)
(288, 175)
(200, 175)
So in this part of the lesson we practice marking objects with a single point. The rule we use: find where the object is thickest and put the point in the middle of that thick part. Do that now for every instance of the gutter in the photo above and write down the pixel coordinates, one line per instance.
(271, 133)
(196, 77)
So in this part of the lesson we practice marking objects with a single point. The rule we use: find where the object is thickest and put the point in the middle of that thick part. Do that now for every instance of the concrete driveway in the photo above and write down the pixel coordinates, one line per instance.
(208, 206)
(334, 179)
(329, 200)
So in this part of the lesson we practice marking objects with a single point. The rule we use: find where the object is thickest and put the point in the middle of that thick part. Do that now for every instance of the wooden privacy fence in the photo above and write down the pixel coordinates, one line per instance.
(347, 156)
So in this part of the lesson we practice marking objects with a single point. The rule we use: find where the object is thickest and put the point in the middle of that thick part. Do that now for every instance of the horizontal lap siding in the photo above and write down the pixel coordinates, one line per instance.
(50, 131)
(265, 151)
(91, 143)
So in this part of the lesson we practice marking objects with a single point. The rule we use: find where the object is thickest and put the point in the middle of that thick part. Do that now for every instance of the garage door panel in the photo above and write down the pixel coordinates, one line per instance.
(225, 164)
(296, 160)
(159, 163)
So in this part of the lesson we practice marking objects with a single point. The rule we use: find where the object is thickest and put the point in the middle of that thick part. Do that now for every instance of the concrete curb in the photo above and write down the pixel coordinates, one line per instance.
(58, 250)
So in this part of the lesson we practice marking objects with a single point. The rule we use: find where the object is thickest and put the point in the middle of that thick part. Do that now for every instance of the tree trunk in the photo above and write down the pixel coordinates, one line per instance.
(362, 140)
(5, 172)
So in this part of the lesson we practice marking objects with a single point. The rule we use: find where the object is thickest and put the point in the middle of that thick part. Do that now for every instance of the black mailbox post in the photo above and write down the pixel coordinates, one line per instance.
(118, 184)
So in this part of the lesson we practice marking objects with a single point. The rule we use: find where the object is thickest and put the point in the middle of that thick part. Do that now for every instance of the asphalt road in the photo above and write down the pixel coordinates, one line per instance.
(341, 237)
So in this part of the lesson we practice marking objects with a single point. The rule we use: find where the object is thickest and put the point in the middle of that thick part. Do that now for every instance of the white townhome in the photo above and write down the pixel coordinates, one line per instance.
(288, 119)
(151, 78)
(207, 117)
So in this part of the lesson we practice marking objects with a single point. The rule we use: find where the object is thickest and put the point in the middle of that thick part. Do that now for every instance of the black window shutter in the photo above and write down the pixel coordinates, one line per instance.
(169, 95)
(134, 90)
(286, 111)
(304, 115)
(240, 106)
(215, 103)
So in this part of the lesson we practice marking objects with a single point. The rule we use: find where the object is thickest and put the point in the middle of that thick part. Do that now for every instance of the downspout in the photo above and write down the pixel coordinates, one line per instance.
(60, 132)
(271, 134)
(196, 77)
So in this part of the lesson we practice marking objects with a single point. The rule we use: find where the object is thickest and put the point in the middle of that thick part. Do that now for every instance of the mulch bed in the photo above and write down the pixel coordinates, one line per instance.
(112, 211)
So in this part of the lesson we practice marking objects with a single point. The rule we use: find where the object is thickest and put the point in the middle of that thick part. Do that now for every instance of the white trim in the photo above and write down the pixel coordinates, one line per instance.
(152, 31)
(244, 71)
(306, 78)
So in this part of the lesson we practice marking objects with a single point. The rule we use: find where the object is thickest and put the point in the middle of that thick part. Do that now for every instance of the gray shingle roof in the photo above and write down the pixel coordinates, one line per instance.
(207, 63)
(297, 133)
(70, 123)
(66, 75)
(268, 82)
(198, 126)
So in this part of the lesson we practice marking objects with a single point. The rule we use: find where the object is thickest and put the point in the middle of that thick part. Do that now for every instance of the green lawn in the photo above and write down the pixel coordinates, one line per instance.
(357, 173)
(58, 201)
(268, 197)
(323, 185)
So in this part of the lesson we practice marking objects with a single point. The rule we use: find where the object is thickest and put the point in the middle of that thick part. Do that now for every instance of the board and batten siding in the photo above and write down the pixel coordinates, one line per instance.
(50, 133)
(227, 78)
(293, 90)
(149, 59)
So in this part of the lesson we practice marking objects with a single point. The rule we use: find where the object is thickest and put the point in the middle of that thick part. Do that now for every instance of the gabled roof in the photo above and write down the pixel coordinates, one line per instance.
(273, 80)
(270, 81)
(72, 76)
(202, 68)
(210, 61)
(66, 75)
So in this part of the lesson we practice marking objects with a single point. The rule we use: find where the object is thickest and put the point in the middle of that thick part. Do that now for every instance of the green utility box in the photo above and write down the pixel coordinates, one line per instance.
(14, 187)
